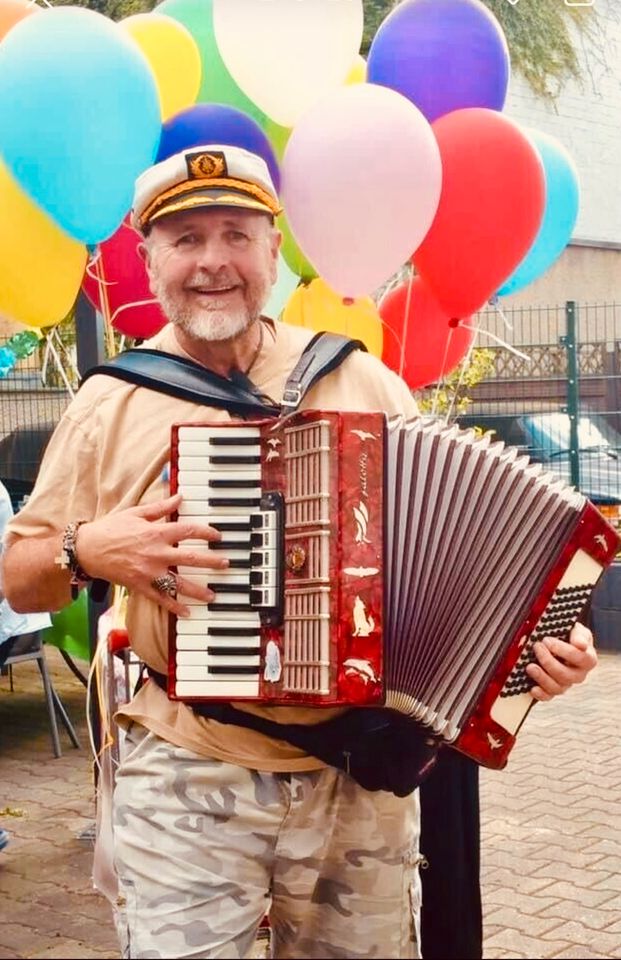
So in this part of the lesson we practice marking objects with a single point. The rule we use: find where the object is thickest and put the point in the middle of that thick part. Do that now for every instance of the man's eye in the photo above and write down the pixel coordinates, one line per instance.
(186, 239)
(237, 236)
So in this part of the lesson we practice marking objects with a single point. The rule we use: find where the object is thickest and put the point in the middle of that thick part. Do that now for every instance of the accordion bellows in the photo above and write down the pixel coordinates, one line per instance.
(407, 564)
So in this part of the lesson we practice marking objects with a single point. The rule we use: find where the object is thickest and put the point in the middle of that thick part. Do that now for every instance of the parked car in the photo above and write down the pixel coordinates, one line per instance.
(545, 437)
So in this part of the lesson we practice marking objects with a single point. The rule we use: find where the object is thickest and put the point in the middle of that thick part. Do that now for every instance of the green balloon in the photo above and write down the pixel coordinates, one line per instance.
(277, 135)
(292, 254)
(217, 84)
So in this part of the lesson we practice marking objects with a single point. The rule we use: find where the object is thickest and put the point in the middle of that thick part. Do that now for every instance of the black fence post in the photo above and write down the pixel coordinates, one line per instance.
(89, 334)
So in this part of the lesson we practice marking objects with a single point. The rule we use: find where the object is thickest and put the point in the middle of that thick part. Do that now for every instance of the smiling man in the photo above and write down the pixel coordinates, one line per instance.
(217, 824)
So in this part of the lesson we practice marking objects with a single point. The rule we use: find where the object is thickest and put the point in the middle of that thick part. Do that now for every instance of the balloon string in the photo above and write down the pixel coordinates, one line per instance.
(462, 371)
(503, 343)
(436, 396)
(128, 306)
(52, 349)
(95, 276)
(104, 302)
(406, 316)
(505, 319)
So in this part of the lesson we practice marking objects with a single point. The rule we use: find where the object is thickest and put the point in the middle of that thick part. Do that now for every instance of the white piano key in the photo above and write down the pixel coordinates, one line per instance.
(199, 611)
(201, 510)
(198, 432)
(231, 688)
(200, 658)
(241, 577)
(202, 641)
(195, 624)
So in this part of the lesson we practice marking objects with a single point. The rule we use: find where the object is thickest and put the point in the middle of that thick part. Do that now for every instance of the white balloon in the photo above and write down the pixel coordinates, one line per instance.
(285, 54)
(361, 182)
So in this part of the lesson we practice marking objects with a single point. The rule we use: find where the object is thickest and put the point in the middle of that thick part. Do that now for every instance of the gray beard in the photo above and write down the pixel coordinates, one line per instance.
(214, 324)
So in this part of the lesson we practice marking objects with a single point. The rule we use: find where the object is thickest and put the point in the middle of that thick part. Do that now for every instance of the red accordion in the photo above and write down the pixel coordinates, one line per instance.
(379, 562)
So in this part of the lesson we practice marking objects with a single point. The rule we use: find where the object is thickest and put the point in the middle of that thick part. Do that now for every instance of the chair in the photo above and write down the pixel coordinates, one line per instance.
(29, 646)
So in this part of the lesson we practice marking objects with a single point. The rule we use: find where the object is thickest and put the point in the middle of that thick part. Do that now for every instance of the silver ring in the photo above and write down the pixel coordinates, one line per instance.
(166, 584)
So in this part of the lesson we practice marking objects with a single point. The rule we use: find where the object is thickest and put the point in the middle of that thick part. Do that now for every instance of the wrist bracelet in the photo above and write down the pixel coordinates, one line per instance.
(68, 559)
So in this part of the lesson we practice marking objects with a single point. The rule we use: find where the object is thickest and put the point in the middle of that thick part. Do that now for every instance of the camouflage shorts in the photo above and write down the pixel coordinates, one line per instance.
(205, 849)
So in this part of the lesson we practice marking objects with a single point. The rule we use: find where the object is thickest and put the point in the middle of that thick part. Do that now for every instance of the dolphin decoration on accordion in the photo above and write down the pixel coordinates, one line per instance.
(379, 562)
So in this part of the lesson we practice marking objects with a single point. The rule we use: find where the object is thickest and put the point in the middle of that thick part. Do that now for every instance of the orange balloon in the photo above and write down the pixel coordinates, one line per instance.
(318, 307)
(12, 11)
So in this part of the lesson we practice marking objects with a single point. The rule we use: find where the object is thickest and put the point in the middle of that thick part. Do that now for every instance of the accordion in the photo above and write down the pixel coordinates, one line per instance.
(379, 562)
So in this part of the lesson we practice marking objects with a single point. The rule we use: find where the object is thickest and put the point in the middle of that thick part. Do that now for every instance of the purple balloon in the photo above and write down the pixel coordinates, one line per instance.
(217, 123)
(443, 55)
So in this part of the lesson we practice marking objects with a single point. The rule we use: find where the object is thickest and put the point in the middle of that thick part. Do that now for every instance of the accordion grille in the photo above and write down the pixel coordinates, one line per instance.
(307, 600)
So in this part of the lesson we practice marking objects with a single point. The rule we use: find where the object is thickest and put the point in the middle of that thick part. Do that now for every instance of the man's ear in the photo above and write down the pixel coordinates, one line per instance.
(145, 256)
(276, 242)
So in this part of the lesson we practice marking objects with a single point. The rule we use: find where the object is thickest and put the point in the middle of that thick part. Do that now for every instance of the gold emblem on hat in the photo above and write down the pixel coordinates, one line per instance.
(206, 165)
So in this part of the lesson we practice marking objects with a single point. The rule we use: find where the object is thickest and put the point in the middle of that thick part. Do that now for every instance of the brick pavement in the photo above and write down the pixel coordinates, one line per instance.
(551, 829)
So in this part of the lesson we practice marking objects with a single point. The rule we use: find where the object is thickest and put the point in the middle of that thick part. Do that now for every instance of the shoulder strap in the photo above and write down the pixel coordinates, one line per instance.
(322, 354)
(179, 377)
(182, 378)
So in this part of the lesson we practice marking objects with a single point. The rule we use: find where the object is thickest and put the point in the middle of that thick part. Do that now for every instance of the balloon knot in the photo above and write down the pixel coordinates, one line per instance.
(454, 322)
(348, 301)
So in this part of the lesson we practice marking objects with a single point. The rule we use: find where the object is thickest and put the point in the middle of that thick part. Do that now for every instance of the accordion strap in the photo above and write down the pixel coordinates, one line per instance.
(180, 377)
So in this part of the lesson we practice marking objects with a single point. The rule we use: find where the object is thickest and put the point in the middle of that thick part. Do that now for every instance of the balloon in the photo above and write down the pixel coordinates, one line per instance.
(358, 71)
(560, 215)
(318, 307)
(79, 117)
(173, 56)
(286, 55)
(421, 342)
(281, 291)
(493, 197)
(217, 84)
(40, 266)
(12, 11)
(217, 123)
(116, 283)
(443, 55)
(361, 183)
(69, 630)
(277, 135)
(291, 253)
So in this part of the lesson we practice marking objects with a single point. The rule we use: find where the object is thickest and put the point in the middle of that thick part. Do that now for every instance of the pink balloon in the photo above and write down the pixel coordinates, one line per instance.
(361, 180)
(123, 286)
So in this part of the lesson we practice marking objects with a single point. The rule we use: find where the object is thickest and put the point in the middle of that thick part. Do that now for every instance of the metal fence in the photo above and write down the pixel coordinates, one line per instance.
(554, 388)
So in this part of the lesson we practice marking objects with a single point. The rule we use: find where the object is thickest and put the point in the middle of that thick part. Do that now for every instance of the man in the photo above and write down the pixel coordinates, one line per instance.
(216, 824)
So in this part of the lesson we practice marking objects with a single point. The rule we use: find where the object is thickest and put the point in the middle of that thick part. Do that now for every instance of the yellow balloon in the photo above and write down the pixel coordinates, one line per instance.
(41, 267)
(318, 307)
(358, 71)
(173, 56)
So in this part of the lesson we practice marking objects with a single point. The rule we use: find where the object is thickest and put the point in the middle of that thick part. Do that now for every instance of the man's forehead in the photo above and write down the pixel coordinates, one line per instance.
(209, 217)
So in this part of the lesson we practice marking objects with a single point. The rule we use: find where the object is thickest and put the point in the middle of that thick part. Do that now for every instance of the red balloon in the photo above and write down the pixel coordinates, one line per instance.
(433, 343)
(490, 210)
(123, 284)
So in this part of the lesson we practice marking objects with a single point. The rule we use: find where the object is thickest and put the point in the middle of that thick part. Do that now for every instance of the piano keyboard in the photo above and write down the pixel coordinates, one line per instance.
(218, 644)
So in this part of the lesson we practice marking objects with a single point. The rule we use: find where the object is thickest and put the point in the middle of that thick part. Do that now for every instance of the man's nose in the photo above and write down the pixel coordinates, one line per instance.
(212, 255)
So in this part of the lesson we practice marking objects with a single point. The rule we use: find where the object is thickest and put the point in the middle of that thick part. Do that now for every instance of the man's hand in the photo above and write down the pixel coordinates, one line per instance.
(131, 548)
(562, 663)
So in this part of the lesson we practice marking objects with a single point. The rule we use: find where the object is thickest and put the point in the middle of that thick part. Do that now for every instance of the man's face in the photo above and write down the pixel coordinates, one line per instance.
(212, 269)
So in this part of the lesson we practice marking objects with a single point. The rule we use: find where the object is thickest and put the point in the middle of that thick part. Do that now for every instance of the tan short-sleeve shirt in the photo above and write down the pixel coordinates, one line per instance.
(111, 451)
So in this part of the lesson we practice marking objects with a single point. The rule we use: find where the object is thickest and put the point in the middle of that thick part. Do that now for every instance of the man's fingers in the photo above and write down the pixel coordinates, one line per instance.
(158, 509)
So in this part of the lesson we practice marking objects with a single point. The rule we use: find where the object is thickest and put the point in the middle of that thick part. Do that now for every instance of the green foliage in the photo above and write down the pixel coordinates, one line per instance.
(449, 397)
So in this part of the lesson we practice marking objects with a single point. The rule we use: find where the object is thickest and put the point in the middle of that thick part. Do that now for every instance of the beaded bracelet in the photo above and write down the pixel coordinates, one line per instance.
(68, 559)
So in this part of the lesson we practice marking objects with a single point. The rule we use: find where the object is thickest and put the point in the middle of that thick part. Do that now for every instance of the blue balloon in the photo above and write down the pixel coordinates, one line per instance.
(443, 55)
(217, 123)
(559, 216)
(79, 117)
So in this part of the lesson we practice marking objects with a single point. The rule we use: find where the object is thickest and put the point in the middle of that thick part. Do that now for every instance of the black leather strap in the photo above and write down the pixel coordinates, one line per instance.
(324, 353)
(183, 378)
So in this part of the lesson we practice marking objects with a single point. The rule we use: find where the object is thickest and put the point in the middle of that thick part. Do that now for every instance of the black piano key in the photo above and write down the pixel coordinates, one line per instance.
(223, 461)
(234, 651)
(230, 545)
(229, 607)
(230, 484)
(232, 631)
(234, 501)
(231, 526)
(256, 578)
(234, 441)
(251, 671)
(239, 564)
(229, 587)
